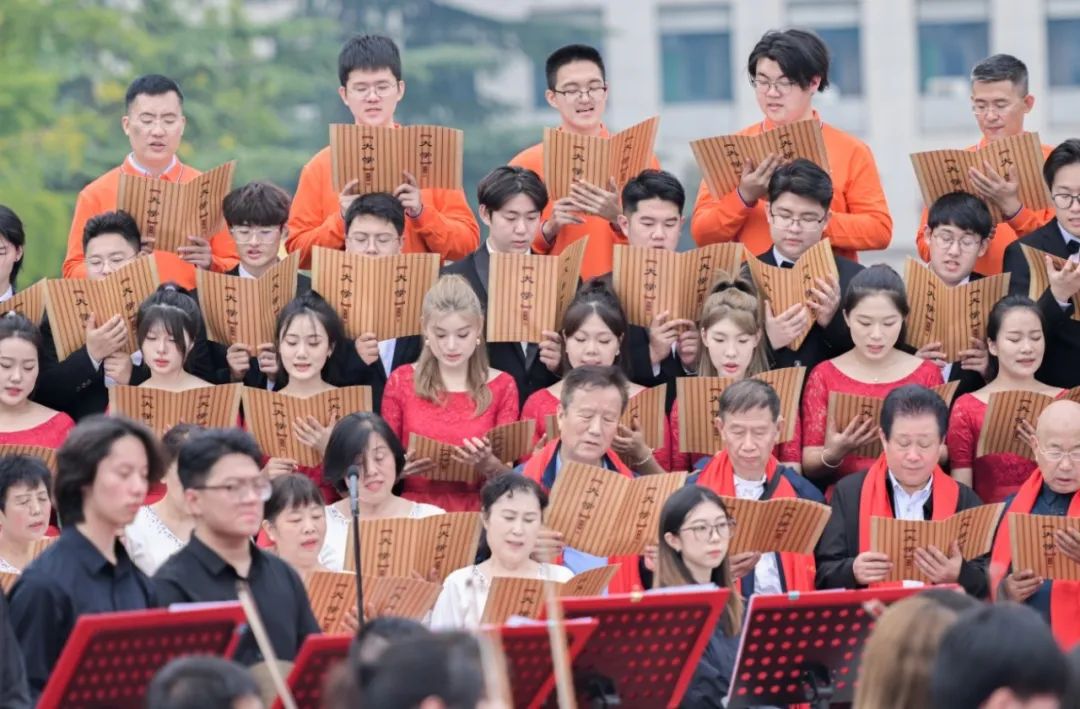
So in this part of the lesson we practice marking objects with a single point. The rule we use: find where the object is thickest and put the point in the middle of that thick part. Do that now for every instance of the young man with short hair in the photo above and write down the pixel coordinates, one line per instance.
(786, 69)
(225, 489)
(438, 220)
(577, 88)
(154, 123)
(1000, 101)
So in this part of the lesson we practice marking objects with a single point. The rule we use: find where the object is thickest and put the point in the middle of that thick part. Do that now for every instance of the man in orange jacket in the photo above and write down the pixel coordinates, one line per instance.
(577, 89)
(786, 70)
(437, 220)
(154, 123)
(999, 100)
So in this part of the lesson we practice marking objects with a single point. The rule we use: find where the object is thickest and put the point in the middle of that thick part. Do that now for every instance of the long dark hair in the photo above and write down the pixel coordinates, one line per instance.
(596, 297)
(878, 279)
(349, 442)
(997, 317)
(312, 305)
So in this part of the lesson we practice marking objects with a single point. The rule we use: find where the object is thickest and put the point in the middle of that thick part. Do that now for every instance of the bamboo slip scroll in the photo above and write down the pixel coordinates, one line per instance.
(973, 529)
(45, 455)
(1000, 431)
(270, 416)
(430, 547)
(647, 406)
(603, 513)
(207, 407)
(949, 315)
(169, 212)
(845, 408)
(240, 310)
(70, 302)
(786, 287)
(780, 525)
(379, 157)
(333, 595)
(1040, 279)
(509, 443)
(651, 281)
(940, 172)
(1034, 546)
(721, 157)
(511, 597)
(357, 288)
(528, 294)
(595, 159)
(28, 302)
(699, 405)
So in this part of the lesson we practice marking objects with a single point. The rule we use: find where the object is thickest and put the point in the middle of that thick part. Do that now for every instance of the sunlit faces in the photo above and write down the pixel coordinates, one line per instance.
(580, 96)
(999, 108)
(304, 348)
(913, 449)
(703, 539)
(18, 370)
(953, 252)
(161, 352)
(795, 224)
(730, 348)
(512, 228)
(592, 343)
(298, 534)
(779, 98)
(588, 424)
(154, 125)
(370, 235)
(749, 437)
(377, 471)
(120, 484)
(25, 514)
(372, 96)
(107, 253)
(875, 325)
(9, 256)
(512, 524)
(453, 338)
(1020, 343)
(230, 502)
(1066, 188)
(655, 224)
(258, 246)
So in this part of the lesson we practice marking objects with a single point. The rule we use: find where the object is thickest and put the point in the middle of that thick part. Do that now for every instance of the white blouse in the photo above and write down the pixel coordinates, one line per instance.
(149, 541)
(6, 568)
(332, 554)
(465, 592)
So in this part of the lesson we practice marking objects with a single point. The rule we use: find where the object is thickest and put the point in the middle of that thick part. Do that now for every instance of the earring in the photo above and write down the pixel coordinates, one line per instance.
(478, 342)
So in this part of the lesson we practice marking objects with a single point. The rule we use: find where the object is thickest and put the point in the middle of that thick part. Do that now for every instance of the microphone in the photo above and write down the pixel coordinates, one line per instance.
(352, 479)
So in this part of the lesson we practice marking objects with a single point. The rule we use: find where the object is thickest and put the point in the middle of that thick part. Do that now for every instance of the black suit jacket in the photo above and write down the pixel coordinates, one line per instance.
(529, 373)
(839, 544)
(1062, 332)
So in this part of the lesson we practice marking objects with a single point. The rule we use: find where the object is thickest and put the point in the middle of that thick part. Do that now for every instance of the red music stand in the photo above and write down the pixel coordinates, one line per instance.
(647, 645)
(316, 657)
(527, 648)
(804, 647)
(110, 658)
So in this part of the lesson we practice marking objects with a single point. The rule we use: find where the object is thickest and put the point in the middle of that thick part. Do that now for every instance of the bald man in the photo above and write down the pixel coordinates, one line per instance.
(1051, 490)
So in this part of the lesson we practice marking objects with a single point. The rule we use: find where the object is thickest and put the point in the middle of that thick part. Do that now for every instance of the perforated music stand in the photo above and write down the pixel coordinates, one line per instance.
(804, 647)
(527, 649)
(110, 658)
(647, 645)
(316, 657)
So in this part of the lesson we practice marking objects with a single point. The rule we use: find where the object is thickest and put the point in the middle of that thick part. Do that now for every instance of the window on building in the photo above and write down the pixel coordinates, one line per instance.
(837, 23)
(1063, 51)
(953, 36)
(696, 66)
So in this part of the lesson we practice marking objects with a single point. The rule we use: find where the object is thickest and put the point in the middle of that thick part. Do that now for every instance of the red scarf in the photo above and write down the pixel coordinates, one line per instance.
(1064, 595)
(874, 501)
(627, 578)
(719, 476)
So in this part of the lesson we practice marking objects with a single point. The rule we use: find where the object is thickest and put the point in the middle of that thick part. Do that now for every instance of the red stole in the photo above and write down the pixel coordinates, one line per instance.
(627, 578)
(719, 476)
(874, 501)
(1064, 595)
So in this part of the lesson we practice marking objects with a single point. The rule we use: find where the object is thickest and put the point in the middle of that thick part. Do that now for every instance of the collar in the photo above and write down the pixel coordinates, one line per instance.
(768, 124)
(212, 562)
(750, 484)
(1050, 498)
(7, 295)
(487, 246)
(1066, 235)
(171, 173)
(243, 272)
(899, 490)
(779, 258)
(89, 555)
(604, 462)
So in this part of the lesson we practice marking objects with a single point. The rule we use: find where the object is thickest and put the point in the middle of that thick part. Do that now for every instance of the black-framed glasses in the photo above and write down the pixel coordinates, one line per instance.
(804, 221)
(966, 243)
(236, 489)
(1064, 200)
(703, 532)
(782, 86)
(590, 92)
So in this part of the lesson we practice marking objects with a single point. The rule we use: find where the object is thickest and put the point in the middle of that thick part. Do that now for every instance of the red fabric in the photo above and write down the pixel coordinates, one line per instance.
(994, 477)
(1064, 595)
(719, 476)
(627, 578)
(48, 434)
(789, 452)
(407, 413)
(825, 378)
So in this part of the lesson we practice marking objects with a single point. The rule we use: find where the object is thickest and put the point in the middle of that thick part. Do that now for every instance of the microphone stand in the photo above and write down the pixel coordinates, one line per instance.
(352, 479)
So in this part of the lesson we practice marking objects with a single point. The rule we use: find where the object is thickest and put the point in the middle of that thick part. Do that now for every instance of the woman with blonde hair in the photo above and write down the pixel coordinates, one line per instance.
(450, 395)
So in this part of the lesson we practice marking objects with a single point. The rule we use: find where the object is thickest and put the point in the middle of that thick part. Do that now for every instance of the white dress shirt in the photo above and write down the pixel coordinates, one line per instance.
(766, 572)
(909, 506)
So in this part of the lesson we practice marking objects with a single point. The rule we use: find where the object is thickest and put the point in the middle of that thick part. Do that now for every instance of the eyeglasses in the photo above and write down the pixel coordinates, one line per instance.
(1056, 455)
(590, 92)
(804, 221)
(967, 243)
(1065, 201)
(782, 86)
(703, 532)
(265, 235)
(382, 241)
(237, 489)
(999, 109)
(381, 89)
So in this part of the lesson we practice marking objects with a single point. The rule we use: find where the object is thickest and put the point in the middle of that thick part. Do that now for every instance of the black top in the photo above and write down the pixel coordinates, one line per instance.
(14, 692)
(1053, 504)
(196, 574)
(712, 677)
(69, 579)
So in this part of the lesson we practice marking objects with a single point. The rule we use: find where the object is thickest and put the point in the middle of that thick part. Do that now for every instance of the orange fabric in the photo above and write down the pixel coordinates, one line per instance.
(602, 238)
(860, 215)
(1023, 223)
(100, 196)
(719, 476)
(446, 226)
(1064, 595)
(627, 578)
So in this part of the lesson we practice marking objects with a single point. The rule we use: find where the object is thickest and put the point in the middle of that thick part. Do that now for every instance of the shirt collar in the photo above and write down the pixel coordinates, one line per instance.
(7, 295)
(899, 490)
(213, 562)
(779, 257)
(1050, 498)
(89, 555)
(1066, 235)
(171, 173)
(243, 272)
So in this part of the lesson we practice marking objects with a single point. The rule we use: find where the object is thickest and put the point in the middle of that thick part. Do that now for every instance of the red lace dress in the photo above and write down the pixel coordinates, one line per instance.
(450, 422)
(994, 477)
(50, 433)
(789, 452)
(825, 378)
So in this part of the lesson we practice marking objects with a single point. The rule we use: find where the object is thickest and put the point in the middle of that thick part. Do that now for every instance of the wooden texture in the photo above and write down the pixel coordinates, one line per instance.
(509, 443)
(786, 287)
(595, 159)
(528, 294)
(973, 529)
(240, 310)
(524, 597)
(1005, 410)
(169, 212)
(379, 157)
(208, 407)
(782, 525)
(1034, 546)
(28, 302)
(270, 415)
(844, 408)
(401, 547)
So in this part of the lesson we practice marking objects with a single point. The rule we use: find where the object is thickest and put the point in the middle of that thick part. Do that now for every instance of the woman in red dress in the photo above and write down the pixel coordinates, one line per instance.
(450, 395)
(593, 331)
(874, 308)
(22, 421)
(1014, 334)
